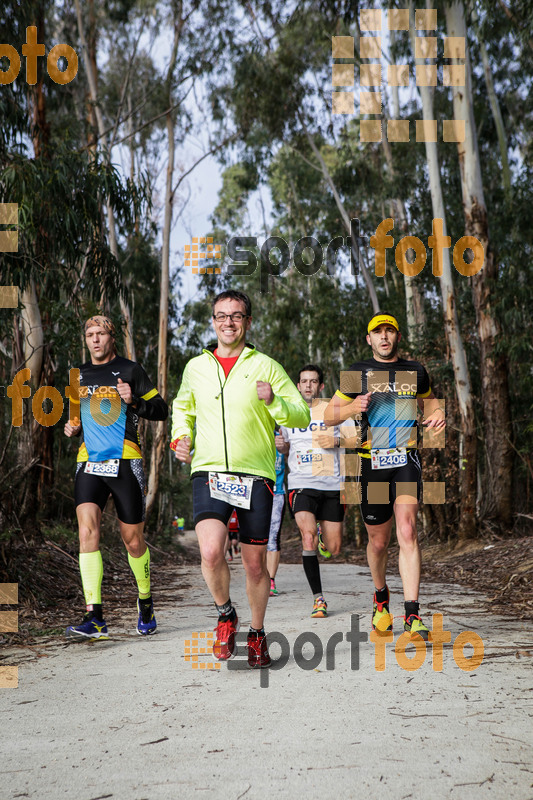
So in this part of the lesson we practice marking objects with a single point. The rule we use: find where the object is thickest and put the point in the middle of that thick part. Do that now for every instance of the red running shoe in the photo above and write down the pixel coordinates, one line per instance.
(258, 656)
(224, 646)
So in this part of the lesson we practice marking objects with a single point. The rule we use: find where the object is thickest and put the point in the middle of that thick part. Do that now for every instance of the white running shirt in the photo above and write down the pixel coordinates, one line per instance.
(310, 466)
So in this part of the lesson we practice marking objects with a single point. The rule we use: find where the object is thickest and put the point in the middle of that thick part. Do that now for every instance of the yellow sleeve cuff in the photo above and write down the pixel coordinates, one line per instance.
(343, 396)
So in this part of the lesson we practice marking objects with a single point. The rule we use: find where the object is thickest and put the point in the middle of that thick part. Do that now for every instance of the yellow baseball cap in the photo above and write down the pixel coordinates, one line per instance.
(382, 319)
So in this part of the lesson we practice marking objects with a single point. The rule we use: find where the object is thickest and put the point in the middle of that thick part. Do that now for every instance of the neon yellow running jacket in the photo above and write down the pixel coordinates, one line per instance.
(232, 430)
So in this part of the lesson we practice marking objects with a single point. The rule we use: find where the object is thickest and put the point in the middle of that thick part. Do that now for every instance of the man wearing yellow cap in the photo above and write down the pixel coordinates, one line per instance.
(114, 394)
(383, 394)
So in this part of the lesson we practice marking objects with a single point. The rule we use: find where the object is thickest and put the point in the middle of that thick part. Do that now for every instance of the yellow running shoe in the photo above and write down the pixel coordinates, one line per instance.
(322, 549)
(320, 608)
(413, 624)
(381, 616)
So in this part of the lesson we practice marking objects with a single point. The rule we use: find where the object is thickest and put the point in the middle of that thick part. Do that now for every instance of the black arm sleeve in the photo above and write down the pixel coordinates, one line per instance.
(147, 401)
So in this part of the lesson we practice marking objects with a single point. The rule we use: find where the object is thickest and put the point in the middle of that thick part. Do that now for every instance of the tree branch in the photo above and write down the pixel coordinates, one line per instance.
(222, 144)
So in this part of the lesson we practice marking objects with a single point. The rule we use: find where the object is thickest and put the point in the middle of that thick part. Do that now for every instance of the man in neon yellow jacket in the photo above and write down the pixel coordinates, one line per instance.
(230, 399)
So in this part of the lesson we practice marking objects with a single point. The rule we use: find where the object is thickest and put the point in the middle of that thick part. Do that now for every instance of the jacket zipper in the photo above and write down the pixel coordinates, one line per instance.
(223, 414)
(218, 366)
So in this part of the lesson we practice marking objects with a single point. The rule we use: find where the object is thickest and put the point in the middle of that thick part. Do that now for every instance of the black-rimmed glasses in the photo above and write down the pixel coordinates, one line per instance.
(237, 316)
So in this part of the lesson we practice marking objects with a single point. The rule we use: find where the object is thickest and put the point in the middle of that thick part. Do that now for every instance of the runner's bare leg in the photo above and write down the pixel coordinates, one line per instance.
(211, 535)
(257, 581)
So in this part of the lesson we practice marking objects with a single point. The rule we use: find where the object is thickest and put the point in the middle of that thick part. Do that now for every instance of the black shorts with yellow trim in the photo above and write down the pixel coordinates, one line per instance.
(380, 487)
(127, 490)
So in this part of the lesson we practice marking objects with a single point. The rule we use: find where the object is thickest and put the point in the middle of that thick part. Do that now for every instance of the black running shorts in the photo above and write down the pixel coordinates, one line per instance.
(127, 490)
(325, 505)
(254, 522)
(384, 487)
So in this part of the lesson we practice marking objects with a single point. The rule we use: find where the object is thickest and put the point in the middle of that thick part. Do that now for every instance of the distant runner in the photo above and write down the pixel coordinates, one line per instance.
(235, 396)
(114, 394)
(232, 544)
(276, 520)
(385, 390)
(314, 482)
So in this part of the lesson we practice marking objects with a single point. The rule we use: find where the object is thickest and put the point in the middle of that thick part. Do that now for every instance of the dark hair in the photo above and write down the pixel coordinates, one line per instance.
(312, 368)
(230, 294)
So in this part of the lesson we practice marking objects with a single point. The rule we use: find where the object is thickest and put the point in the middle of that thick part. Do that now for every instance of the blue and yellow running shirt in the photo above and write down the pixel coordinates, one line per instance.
(109, 425)
(391, 418)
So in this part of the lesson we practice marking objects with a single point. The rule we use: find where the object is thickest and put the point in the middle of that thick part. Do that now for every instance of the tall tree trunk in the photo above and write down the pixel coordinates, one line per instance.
(414, 301)
(344, 216)
(113, 245)
(36, 441)
(468, 460)
(32, 327)
(92, 137)
(494, 107)
(31, 315)
(497, 494)
(355, 244)
(160, 433)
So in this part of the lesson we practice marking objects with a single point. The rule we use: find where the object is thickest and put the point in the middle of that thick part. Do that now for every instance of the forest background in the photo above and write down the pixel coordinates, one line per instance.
(99, 169)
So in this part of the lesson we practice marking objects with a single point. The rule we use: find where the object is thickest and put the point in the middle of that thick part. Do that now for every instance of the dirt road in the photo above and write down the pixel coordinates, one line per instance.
(131, 719)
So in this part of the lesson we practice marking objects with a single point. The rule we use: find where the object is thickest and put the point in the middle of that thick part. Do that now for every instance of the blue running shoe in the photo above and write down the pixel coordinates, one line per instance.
(146, 623)
(91, 629)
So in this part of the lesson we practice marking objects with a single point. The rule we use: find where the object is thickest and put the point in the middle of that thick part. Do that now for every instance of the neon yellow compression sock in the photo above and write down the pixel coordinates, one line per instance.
(141, 569)
(92, 572)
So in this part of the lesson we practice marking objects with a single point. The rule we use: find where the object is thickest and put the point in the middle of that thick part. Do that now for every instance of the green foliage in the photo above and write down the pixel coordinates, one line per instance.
(266, 70)
(60, 219)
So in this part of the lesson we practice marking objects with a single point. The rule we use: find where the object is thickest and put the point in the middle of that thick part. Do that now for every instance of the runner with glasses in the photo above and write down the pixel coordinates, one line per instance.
(230, 399)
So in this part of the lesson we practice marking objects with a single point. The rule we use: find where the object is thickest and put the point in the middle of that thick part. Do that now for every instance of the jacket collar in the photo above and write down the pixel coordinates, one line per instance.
(213, 346)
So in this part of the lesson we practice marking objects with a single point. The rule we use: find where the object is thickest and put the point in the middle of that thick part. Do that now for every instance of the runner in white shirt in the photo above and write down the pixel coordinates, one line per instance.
(314, 461)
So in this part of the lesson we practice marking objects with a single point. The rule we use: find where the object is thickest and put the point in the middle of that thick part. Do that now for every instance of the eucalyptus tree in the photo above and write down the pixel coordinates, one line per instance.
(62, 261)
(497, 499)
